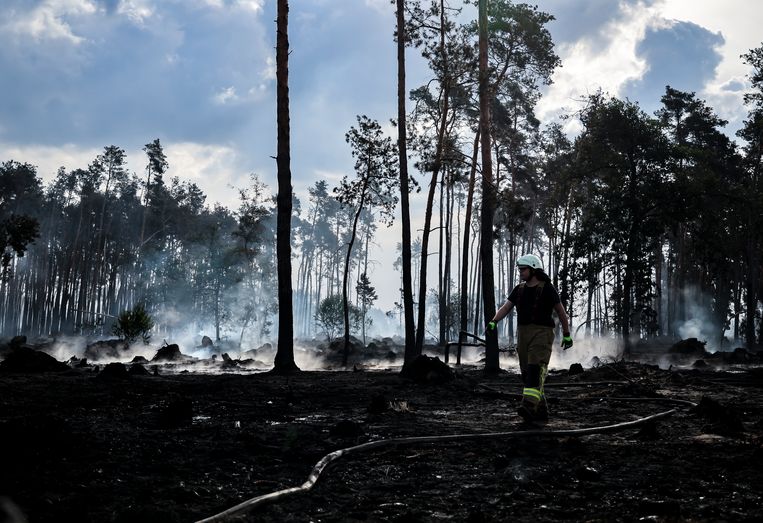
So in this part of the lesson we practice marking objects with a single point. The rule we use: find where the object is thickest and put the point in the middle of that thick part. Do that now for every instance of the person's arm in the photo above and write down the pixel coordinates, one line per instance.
(563, 319)
(503, 311)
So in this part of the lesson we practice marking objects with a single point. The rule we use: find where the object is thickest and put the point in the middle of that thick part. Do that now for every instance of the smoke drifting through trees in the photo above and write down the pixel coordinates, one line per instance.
(627, 216)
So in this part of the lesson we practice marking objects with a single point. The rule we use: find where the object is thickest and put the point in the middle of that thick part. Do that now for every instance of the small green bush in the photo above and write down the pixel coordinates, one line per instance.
(134, 324)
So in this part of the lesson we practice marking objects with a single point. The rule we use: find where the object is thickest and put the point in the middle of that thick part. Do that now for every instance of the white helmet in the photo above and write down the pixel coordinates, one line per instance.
(530, 260)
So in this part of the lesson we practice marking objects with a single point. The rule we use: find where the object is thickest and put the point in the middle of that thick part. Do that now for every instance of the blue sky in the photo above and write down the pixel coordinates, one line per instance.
(77, 75)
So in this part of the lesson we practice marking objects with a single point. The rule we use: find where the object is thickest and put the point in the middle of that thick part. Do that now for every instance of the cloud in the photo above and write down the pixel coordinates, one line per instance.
(136, 10)
(680, 54)
(634, 48)
(216, 169)
(48, 20)
(608, 63)
(48, 159)
(226, 95)
(251, 5)
(382, 6)
(269, 71)
(588, 20)
(255, 6)
(738, 21)
(130, 79)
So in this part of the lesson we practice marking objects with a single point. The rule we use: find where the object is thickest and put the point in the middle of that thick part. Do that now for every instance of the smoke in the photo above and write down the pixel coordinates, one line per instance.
(307, 358)
(64, 347)
(586, 351)
(700, 322)
(383, 324)
(691, 329)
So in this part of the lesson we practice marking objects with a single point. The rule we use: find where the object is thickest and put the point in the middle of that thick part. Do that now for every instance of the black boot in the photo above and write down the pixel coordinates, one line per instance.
(541, 414)
(528, 409)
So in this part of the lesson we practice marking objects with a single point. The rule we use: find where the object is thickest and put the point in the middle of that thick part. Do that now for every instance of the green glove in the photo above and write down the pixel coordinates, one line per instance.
(491, 326)
(566, 341)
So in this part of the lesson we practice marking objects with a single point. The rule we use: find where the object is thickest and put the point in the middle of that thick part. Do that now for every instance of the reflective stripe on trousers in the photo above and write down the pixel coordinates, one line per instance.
(532, 394)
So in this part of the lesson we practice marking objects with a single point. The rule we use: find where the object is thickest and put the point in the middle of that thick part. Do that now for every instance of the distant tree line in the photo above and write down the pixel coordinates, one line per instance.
(108, 240)
(639, 219)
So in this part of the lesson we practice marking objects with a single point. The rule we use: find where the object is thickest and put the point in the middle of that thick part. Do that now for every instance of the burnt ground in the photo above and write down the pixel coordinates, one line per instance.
(76, 446)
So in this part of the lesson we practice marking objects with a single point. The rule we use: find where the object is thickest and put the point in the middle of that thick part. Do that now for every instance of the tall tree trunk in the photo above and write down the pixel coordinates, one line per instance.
(218, 312)
(402, 148)
(465, 246)
(421, 322)
(441, 269)
(445, 86)
(751, 290)
(488, 196)
(448, 253)
(284, 360)
(345, 301)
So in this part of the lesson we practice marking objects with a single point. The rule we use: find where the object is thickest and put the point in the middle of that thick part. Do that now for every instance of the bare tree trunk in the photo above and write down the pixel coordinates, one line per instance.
(467, 229)
(488, 196)
(421, 323)
(478, 292)
(346, 305)
(448, 251)
(402, 147)
(284, 359)
(440, 270)
(751, 290)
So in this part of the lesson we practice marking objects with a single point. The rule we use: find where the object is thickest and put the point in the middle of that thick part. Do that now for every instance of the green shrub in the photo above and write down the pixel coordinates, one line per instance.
(134, 324)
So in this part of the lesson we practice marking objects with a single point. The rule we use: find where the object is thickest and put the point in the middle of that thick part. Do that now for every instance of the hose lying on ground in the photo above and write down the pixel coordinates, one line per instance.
(329, 458)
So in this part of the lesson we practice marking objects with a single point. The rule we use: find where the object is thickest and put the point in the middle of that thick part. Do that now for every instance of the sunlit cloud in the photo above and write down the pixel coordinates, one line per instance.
(214, 168)
(254, 6)
(251, 5)
(213, 3)
(608, 64)
(739, 23)
(269, 71)
(333, 177)
(48, 21)
(136, 10)
(48, 159)
(226, 95)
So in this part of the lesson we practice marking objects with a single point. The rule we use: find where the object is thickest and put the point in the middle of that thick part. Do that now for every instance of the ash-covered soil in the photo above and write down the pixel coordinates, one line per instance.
(81, 445)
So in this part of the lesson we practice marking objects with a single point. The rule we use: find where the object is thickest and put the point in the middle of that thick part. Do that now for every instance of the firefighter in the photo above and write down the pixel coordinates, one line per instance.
(535, 298)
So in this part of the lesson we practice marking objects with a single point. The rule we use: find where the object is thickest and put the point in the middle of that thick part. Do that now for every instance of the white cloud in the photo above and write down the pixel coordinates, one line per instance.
(48, 159)
(739, 23)
(214, 168)
(258, 92)
(329, 176)
(609, 62)
(136, 10)
(226, 95)
(214, 3)
(47, 20)
(251, 5)
(383, 6)
(269, 71)
(589, 65)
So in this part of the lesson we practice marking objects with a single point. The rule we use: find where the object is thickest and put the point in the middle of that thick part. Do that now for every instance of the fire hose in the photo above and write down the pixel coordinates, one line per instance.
(312, 479)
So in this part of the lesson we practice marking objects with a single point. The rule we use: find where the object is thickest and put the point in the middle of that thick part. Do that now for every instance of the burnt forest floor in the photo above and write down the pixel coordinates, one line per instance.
(181, 447)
